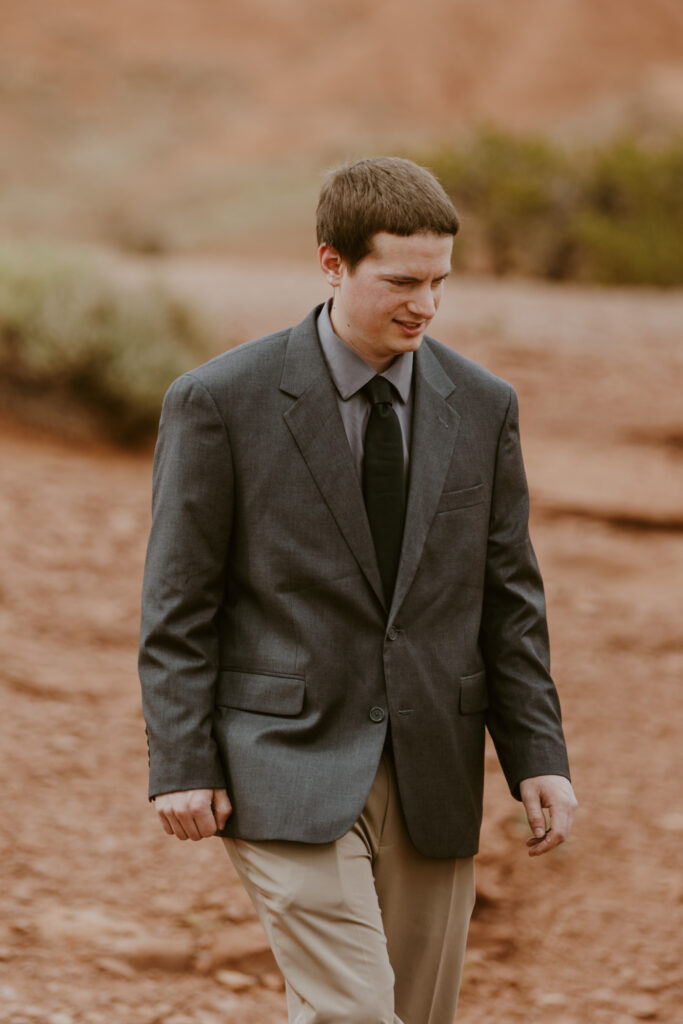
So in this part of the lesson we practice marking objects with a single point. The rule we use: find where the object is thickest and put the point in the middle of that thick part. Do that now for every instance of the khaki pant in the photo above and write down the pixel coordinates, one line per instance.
(365, 929)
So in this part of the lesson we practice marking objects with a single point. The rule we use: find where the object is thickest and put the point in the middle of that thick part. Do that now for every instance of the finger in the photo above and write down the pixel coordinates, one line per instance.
(177, 827)
(534, 813)
(200, 822)
(561, 821)
(537, 847)
(165, 823)
(535, 840)
(188, 823)
(222, 808)
(204, 822)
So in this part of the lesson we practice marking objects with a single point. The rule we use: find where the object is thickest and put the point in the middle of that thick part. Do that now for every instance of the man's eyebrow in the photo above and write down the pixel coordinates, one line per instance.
(415, 280)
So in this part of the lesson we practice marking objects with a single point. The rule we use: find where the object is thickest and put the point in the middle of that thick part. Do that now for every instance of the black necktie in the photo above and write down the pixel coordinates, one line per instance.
(384, 480)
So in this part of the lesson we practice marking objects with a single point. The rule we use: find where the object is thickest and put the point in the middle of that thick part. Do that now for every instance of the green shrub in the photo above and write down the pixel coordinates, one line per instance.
(73, 337)
(629, 228)
(519, 192)
(612, 215)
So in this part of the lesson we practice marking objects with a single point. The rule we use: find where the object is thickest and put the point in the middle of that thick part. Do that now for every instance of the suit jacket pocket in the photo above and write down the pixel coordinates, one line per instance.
(260, 692)
(474, 695)
(461, 499)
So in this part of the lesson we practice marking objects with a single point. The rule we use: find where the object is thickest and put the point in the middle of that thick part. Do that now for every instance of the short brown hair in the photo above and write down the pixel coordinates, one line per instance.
(383, 193)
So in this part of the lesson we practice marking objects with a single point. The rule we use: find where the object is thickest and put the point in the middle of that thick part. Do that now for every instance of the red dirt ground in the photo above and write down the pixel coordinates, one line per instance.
(145, 109)
(106, 920)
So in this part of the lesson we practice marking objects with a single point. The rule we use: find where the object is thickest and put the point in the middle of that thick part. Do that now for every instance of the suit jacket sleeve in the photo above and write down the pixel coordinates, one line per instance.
(524, 716)
(182, 589)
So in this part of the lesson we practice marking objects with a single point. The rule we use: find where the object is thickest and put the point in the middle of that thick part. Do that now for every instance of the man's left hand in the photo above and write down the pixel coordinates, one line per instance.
(554, 793)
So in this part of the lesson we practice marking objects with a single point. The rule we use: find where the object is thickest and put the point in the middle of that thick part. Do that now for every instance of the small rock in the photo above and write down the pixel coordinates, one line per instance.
(274, 981)
(116, 967)
(161, 1012)
(63, 743)
(227, 1004)
(672, 822)
(232, 944)
(206, 1017)
(650, 984)
(146, 954)
(199, 922)
(488, 895)
(24, 927)
(642, 1006)
(234, 980)
(501, 941)
(7, 992)
(551, 999)
(603, 995)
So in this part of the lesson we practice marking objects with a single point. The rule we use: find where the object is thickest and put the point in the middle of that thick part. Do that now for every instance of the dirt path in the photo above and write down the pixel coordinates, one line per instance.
(104, 920)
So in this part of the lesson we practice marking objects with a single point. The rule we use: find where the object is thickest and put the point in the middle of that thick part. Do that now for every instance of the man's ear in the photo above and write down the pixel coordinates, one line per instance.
(331, 264)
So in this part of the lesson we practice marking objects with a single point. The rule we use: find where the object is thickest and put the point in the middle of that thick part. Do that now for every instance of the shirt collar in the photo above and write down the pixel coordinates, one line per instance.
(349, 372)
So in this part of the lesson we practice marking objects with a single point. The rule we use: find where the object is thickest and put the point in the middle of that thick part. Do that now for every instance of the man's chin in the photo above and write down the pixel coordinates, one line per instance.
(408, 344)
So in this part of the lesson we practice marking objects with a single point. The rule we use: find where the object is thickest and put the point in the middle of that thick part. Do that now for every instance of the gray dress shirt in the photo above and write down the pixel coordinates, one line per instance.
(350, 373)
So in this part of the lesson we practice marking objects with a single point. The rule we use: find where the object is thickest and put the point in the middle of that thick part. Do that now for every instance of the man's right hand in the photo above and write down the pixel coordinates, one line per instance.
(193, 813)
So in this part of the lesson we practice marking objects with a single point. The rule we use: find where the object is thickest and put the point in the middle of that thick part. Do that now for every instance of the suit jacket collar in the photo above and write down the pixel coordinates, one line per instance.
(304, 361)
(317, 428)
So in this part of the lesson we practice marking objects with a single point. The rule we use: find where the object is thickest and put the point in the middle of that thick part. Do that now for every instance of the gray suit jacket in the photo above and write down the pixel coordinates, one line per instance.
(269, 661)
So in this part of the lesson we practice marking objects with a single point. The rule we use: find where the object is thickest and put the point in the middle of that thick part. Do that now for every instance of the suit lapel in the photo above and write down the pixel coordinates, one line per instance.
(434, 429)
(316, 425)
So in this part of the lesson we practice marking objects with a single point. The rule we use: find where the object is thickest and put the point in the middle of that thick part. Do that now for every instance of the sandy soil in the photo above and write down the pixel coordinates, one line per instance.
(105, 920)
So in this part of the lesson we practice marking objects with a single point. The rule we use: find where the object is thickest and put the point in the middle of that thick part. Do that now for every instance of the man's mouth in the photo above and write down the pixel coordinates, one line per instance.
(412, 327)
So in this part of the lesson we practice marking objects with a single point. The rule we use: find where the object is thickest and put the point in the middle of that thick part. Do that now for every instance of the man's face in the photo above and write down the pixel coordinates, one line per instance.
(384, 305)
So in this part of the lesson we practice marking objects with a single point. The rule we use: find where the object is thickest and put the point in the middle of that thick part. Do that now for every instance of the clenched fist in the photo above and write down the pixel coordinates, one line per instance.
(193, 813)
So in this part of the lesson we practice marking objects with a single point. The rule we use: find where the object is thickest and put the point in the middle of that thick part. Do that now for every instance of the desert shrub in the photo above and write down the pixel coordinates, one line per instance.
(629, 228)
(520, 194)
(74, 337)
(611, 215)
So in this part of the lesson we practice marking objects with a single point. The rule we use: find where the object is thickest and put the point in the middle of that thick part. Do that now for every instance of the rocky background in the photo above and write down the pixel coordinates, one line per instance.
(116, 119)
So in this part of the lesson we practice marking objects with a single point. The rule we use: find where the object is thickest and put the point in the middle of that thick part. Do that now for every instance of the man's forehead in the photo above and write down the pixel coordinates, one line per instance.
(411, 255)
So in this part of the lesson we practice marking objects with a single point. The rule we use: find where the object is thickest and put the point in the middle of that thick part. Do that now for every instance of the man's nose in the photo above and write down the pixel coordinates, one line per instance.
(423, 303)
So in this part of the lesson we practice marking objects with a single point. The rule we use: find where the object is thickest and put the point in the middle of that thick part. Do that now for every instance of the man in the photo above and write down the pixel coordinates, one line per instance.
(340, 593)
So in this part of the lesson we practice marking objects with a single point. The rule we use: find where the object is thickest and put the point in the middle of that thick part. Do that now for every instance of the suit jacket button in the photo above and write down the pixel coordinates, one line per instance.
(377, 714)
(393, 633)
